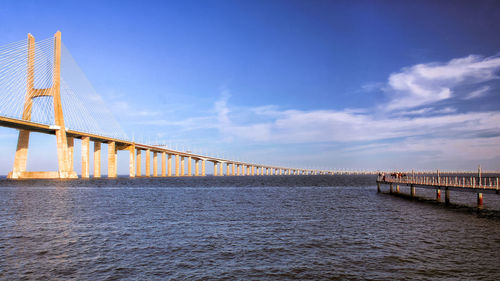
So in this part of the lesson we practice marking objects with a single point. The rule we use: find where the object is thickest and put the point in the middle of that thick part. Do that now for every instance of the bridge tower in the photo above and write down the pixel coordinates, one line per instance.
(64, 154)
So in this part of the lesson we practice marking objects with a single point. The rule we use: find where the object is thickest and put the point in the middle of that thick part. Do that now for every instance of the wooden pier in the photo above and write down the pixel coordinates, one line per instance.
(478, 184)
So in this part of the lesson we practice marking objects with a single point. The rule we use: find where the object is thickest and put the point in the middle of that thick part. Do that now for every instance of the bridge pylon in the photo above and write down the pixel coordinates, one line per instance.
(64, 154)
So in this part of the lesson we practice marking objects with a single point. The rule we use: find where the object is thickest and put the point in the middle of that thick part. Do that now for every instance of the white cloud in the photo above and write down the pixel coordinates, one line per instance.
(477, 93)
(339, 126)
(425, 84)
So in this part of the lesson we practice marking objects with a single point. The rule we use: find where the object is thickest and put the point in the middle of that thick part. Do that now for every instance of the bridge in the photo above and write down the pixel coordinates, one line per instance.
(42, 90)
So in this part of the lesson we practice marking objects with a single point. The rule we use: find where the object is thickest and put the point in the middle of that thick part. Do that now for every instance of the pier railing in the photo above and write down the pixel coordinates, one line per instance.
(446, 181)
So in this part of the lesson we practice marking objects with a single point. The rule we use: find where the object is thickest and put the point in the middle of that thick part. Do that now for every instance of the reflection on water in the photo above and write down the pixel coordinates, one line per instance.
(302, 227)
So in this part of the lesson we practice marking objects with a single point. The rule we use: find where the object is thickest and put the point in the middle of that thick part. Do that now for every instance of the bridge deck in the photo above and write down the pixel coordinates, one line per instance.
(48, 129)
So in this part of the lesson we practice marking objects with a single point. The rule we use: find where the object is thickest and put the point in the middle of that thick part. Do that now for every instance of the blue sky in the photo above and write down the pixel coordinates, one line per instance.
(319, 84)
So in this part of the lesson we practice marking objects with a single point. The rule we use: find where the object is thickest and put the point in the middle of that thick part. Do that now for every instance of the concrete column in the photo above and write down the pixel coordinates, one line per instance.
(438, 194)
(215, 168)
(190, 172)
(227, 169)
(131, 161)
(148, 162)
(479, 199)
(237, 170)
(203, 167)
(221, 168)
(71, 152)
(182, 166)
(155, 164)
(138, 161)
(169, 168)
(397, 188)
(197, 167)
(232, 169)
(97, 159)
(85, 157)
(253, 170)
(412, 191)
(177, 164)
(111, 159)
(267, 171)
(163, 164)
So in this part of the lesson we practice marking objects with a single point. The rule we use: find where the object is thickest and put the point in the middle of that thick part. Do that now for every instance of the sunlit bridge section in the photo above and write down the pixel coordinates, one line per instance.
(42, 89)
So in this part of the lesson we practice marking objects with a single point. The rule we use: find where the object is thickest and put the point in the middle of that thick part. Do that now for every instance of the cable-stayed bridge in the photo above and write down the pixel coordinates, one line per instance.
(43, 90)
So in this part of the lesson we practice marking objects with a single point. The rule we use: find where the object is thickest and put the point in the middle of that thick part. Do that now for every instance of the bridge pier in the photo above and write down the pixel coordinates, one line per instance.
(169, 165)
(148, 163)
(221, 168)
(163, 164)
(111, 159)
(438, 194)
(177, 164)
(203, 167)
(196, 168)
(215, 169)
(71, 151)
(447, 196)
(131, 161)
(97, 159)
(412, 191)
(85, 157)
(479, 199)
(138, 161)
(155, 164)
(190, 173)
(182, 166)
(232, 169)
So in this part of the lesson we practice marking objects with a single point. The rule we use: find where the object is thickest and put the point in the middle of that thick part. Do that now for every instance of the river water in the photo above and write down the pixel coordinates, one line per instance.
(240, 228)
